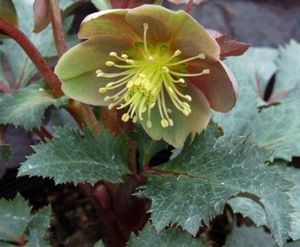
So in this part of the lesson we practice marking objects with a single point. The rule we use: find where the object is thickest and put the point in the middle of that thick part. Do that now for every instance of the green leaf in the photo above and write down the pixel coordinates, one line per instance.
(293, 244)
(5, 244)
(25, 107)
(275, 128)
(41, 220)
(99, 244)
(287, 77)
(249, 208)
(5, 152)
(35, 239)
(37, 228)
(21, 66)
(102, 4)
(147, 146)
(249, 237)
(293, 175)
(148, 237)
(244, 69)
(14, 218)
(76, 158)
(212, 171)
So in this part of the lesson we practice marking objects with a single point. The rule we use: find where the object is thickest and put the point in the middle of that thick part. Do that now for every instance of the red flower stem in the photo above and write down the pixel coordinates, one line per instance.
(34, 55)
(81, 112)
(57, 27)
(111, 229)
(189, 5)
(22, 73)
(4, 88)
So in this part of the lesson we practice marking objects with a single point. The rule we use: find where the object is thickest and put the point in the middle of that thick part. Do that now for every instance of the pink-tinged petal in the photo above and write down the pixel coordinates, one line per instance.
(161, 22)
(183, 126)
(76, 68)
(107, 22)
(192, 38)
(219, 86)
(41, 11)
(228, 47)
(89, 56)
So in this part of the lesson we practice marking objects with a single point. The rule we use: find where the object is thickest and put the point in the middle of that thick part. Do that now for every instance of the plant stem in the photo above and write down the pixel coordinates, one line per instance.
(81, 112)
(4, 88)
(84, 116)
(189, 5)
(34, 55)
(57, 27)
(110, 228)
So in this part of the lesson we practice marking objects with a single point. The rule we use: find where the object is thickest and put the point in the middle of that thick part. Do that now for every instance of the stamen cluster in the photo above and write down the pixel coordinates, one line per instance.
(146, 80)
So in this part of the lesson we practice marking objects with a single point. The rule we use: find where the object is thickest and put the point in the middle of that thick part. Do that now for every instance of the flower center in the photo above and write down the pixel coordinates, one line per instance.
(143, 82)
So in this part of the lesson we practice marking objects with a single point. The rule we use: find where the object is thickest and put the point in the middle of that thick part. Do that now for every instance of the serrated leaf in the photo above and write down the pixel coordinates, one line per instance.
(287, 77)
(293, 175)
(249, 208)
(293, 244)
(249, 237)
(41, 220)
(278, 129)
(5, 152)
(21, 66)
(275, 128)
(76, 158)
(25, 107)
(214, 170)
(36, 239)
(99, 244)
(148, 237)
(244, 68)
(14, 218)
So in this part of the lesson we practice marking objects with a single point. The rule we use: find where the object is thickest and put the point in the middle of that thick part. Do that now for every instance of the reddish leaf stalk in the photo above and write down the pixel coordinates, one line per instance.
(189, 5)
(57, 28)
(111, 229)
(81, 112)
(34, 55)
(43, 133)
(22, 73)
(84, 115)
(4, 88)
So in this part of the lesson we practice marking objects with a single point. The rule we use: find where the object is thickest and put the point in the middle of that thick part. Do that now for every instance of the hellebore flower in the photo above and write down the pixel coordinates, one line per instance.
(160, 67)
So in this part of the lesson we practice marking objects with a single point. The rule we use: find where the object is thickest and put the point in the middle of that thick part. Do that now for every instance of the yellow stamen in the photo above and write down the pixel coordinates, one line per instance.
(146, 78)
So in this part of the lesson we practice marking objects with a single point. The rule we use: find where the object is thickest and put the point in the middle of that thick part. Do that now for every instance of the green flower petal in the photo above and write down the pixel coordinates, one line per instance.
(219, 86)
(183, 126)
(84, 88)
(107, 22)
(182, 30)
(76, 68)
